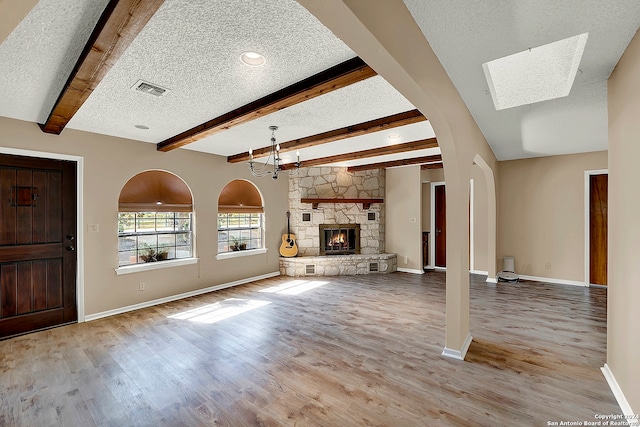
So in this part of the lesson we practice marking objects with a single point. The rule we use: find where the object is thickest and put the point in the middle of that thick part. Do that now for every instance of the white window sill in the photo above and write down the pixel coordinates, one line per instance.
(136, 268)
(238, 254)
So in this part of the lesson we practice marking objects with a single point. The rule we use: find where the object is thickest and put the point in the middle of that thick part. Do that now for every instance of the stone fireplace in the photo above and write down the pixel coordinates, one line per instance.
(340, 224)
(337, 183)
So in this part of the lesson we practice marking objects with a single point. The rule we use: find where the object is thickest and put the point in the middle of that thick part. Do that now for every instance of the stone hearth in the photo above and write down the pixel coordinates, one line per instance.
(338, 265)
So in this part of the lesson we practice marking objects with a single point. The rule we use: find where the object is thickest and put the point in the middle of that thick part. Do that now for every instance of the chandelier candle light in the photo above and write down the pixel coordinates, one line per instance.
(273, 167)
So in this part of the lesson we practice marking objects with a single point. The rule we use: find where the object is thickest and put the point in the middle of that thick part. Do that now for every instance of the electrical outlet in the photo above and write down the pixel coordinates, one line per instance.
(548, 266)
(93, 228)
(142, 286)
(406, 260)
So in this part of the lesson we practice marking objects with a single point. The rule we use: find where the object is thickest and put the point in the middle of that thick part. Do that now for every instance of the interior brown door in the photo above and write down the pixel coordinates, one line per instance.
(37, 244)
(598, 193)
(441, 226)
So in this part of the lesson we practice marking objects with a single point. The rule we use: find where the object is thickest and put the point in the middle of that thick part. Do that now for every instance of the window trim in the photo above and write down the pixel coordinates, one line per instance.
(147, 266)
(238, 254)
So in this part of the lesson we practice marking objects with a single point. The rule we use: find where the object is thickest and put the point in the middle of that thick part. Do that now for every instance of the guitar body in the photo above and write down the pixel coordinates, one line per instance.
(288, 248)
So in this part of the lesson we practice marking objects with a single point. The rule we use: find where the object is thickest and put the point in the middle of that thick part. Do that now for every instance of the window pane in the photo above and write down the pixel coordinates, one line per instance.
(147, 241)
(166, 240)
(126, 222)
(164, 223)
(126, 243)
(256, 233)
(183, 251)
(147, 224)
(183, 224)
(183, 239)
(127, 257)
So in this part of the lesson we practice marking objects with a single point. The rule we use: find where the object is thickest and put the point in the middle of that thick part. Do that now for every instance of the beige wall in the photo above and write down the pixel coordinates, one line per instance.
(403, 216)
(13, 12)
(623, 339)
(426, 206)
(480, 221)
(108, 164)
(541, 214)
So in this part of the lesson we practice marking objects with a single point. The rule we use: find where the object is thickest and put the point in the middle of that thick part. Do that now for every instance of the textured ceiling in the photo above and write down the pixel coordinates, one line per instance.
(193, 48)
(466, 34)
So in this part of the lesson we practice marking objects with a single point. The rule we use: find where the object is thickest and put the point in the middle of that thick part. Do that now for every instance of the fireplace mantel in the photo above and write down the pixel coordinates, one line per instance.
(366, 203)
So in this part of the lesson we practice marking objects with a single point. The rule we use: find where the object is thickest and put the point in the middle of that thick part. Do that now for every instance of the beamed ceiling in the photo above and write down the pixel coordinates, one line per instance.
(76, 63)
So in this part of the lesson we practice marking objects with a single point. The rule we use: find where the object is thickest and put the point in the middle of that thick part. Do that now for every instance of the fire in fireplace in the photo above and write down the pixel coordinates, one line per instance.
(339, 239)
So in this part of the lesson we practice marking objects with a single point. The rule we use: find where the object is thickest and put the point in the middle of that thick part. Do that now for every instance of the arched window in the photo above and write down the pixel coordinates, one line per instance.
(155, 219)
(240, 217)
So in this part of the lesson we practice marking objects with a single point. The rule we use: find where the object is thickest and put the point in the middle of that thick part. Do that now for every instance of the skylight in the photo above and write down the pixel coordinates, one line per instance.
(536, 74)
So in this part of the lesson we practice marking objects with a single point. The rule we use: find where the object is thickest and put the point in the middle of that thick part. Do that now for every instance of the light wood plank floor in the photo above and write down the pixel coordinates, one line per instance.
(340, 351)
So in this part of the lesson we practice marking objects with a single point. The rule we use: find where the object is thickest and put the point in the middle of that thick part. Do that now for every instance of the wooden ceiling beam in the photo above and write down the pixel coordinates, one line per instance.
(394, 163)
(422, 144)
(438, 165)
(384, 123)
(337, 77)
(118, 26)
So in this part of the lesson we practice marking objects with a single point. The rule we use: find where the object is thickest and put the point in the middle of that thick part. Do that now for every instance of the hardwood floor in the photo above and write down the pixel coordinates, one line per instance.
(351, 351)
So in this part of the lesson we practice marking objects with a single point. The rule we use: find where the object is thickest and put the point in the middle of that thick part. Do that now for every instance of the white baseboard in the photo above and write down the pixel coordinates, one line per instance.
(480, 272)
(491, 280)
(176, 297)
(410, 270)
(631, 416)
(458, 354)
(552, 280)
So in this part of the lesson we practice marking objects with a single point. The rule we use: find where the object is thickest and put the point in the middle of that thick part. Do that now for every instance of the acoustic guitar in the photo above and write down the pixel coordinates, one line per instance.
(288, 248)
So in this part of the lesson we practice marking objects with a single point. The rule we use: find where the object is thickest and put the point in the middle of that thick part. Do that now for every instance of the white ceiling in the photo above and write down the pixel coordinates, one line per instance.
(465, 34)
(192, 48)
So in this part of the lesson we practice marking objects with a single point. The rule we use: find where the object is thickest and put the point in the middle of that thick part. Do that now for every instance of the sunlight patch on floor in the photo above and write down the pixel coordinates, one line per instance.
(295, 287)
(212, 313)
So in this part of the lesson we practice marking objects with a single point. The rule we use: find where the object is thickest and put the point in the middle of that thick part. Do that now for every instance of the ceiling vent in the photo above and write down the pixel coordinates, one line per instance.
(150, 88)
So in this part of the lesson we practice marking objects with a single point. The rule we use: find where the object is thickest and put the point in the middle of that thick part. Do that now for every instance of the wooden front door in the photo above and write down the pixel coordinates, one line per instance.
(598, 193)
(37, 244)
(441, 226)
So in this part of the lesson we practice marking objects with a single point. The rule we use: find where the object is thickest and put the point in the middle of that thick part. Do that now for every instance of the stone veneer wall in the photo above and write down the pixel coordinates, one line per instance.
(336, 182)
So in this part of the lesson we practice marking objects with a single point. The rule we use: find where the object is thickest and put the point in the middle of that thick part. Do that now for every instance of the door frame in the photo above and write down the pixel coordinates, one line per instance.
(432, 240)
(587, 219)
(432, 237)
(79, 221)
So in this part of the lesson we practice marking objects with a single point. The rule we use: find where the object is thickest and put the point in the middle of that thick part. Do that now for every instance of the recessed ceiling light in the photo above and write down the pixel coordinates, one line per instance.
(142, 127)
(253, 59)
(536, 74)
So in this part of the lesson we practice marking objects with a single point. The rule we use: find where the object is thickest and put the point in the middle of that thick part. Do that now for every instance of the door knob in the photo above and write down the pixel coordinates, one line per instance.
(71, 248)
(70, 236)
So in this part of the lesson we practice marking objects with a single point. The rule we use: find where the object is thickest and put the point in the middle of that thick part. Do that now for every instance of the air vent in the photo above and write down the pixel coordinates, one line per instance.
(373, 267)
(371, 216)
(306, 217)
(150, 88)
(309, 269)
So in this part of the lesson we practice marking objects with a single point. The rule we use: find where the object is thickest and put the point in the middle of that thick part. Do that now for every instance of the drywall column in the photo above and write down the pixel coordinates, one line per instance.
(387, 37)
(623, 341)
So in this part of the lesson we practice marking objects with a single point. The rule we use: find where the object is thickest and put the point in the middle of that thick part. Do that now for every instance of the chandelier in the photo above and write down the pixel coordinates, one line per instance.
(273, 166)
